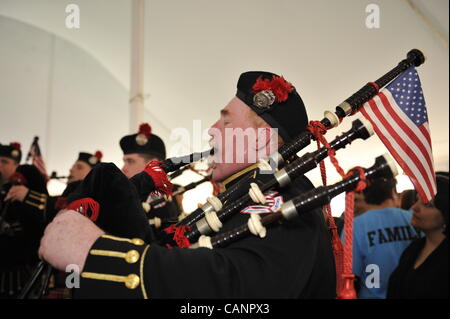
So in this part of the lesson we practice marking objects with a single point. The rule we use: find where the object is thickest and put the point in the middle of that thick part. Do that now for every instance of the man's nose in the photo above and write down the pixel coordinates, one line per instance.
(214, 129)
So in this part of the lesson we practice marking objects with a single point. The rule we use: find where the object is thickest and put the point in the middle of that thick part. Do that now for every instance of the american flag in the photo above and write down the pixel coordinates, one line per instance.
(399, 116)
(36, 157)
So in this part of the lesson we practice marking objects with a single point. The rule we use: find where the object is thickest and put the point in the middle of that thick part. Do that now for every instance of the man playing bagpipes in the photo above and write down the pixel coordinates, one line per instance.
(22, 204)
(79, 170)
(56, 288)
(138, 150)
(293, 259)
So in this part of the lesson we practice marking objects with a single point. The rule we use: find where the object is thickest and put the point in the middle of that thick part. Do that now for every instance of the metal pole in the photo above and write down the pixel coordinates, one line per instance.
(137, 65)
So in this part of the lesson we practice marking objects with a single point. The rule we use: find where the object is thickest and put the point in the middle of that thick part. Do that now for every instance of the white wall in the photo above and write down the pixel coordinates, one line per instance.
(53, 89)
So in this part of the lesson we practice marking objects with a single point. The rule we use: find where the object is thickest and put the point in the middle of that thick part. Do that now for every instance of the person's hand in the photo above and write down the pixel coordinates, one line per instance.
(17, 193)
(68, 239)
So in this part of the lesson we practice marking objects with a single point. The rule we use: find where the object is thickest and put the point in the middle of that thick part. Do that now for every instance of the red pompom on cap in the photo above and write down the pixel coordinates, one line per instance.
(144, 134)
(145, 129)
(99, 155)
(15, 145)
(278, 86)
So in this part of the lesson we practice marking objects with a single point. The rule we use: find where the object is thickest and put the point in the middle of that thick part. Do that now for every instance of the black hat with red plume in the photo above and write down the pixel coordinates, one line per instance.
(90, 159)
(11, 151)
(275, 100)
(144, 142)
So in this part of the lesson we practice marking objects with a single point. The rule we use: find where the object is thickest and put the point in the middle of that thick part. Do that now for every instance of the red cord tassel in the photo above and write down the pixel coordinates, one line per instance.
(159, 177)
(179, 235)
(84, 205)
(342, 253)
(348, 289)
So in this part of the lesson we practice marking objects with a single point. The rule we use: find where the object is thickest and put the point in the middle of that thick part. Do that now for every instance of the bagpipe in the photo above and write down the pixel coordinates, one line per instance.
(149, 206)
(54, 175)
(288, 151)
(213, 220)
(384, 167)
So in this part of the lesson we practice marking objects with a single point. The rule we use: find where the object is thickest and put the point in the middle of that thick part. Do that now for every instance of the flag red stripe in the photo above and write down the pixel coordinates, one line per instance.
(394, 153)
(407, 130)
(427, 135)
(402, 144)
(425, 132)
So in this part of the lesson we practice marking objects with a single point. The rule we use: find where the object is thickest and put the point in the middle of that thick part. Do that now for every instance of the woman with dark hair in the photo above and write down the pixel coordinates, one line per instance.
(408, 198)
(423, 270)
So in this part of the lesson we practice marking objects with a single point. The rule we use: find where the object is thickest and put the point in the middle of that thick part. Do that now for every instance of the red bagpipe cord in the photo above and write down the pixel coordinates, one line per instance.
(216, 188)
(178, 235)
(347, 290)
(84, 205)
(342, 256)
(159, 177)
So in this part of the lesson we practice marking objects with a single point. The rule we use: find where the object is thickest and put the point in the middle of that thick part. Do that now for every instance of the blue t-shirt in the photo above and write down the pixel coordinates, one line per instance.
(379, 238)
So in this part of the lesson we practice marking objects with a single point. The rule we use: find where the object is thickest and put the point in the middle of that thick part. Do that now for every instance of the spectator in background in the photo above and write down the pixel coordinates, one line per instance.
(423, 268)
(379, 237)
(360, 207)
(408, 198)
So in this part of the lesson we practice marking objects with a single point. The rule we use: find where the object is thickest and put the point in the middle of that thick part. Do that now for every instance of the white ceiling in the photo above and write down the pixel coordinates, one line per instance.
(195, 51)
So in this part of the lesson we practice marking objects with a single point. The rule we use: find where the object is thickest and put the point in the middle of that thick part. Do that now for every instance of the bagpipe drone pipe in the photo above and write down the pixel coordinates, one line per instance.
(213, 220)
(384, 167)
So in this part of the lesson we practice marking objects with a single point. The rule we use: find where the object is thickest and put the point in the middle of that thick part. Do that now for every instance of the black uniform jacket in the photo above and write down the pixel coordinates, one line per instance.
(21, 228)
(294, 260)
(24, 220)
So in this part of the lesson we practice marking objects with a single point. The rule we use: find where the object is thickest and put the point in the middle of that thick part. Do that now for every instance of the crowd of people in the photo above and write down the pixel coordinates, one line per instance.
(400, 245)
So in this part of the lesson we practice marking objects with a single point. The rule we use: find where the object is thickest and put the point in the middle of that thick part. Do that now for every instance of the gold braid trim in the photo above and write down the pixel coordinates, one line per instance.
(42, 197)
(131, 281)
(134, 241)
(238, 174)
(40, 207)
(130, 257)
(141, 272)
